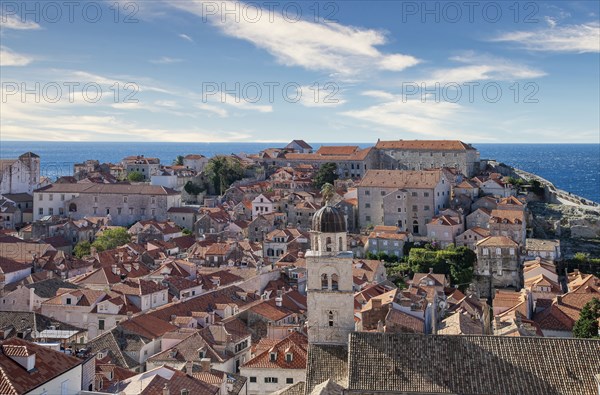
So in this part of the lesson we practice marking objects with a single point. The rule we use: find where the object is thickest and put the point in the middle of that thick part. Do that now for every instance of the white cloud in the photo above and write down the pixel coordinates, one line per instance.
(10, 58)
(186, 37)
(12, 22)
(212, 109)
(582, 38)
(166, 60)
(428, 119)
(480, 68)
(322, 46)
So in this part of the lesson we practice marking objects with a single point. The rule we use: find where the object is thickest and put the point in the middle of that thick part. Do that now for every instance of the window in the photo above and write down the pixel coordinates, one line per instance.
(271, 380)
(367, 193)
(399, 209)
(426, 194)
(415, 208)
(253, 379)
(95, 199)
(68, 300)
(367, 205)
(498, 251)
(152, 199)
(107, 211)
(95, 210)
(131, 211)
(41, 195)
(289, 380)
(486, 251)
(324, 281)
(101, 324)
(143, 211)
(61, 211)
(330, 318)
(367, 218)
(382, 193)
(118, 210)
(512, 251)
(334, 282)
(289, 357)
(50, 196)
(62, 197)
(273, 356)
(426, 208)
(50, 211)
(124, 199)
(415, 194)
(41, 211)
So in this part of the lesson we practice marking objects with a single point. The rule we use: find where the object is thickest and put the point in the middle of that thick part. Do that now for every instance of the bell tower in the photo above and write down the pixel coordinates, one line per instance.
(330, 295)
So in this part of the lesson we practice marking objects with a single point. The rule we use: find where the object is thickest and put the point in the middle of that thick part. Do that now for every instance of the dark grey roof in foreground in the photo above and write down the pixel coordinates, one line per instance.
(468, 365)
(326, 362)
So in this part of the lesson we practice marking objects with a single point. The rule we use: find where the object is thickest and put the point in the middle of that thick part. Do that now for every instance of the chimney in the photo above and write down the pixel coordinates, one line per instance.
(278, 301)
(115, 270)
(129, 315)
(189, 366)
(380, 328)
(165, 390)
(205, 364)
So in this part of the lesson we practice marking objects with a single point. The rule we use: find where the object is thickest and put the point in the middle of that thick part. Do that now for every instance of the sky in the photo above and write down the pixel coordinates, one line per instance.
(322, 71)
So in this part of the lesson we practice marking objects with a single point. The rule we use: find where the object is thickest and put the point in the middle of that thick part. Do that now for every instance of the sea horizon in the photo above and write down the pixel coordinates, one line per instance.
(573, 167)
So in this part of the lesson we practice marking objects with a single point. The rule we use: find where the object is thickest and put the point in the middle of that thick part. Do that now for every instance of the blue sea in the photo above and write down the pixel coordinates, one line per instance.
(572, 167)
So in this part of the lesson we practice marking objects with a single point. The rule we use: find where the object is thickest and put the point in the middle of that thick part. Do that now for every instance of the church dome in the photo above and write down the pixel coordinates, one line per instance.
(329, 220)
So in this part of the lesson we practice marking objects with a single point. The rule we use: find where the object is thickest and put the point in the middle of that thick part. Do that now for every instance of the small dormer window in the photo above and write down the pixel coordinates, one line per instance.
(68, 301)
(273, 356)
(289, 357)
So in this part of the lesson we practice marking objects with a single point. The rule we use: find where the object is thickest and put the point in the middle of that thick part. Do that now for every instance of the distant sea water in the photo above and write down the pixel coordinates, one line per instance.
(571, 167)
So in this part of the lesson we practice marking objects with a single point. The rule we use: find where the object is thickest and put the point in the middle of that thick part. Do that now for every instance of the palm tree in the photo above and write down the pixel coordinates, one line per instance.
(327, 192)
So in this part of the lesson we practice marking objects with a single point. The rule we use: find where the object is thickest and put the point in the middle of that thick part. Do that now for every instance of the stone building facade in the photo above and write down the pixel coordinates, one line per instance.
(21, 175)
(406, 199)
(498, 259)
(428, 154)
(126, 204)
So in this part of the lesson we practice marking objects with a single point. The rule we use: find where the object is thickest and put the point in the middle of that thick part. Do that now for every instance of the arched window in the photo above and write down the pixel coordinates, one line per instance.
(341, 244)
(328, 244)
(324, 281)
(72, 208)
(330, 318)
(334, 282)
(415, 226)
(270, 252)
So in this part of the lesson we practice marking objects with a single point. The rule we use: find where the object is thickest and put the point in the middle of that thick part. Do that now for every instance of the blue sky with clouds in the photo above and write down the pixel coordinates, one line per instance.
(343, 71)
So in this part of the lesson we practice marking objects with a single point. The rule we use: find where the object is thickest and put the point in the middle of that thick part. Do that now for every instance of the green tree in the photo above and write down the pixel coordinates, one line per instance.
(193, 188)
(326, 174)
(111, 238)
(82, 249)
(178, 161)
(458, 263)
(581, 257)
(135, 176)
(186, 231)
(586, 326)
(224, 171)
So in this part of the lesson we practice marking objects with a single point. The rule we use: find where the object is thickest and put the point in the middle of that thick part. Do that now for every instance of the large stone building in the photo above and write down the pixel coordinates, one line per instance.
(403, 198)
(352, 161)
(498, 260)
(147, 167)
(126, 204)
(21, 175)
(428, 154)
(329, 286)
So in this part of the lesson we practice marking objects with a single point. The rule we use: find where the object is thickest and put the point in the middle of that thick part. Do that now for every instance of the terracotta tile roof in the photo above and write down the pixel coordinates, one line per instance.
(103, 189)
(147, 326)
(14, 379)
(512, 216)
(497, 241)
(337, 150)
(294, 345)
(8, 265)
(403, 322)
(154, 382)
(401, 179)
(430, 145)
